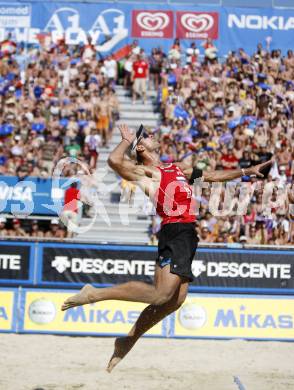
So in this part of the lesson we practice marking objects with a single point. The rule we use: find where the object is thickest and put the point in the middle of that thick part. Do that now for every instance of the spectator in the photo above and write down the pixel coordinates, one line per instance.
(35, 230)
(3, 230)
(103, 115)
(17, 230)
(69, 215)
(93, 141)
(139, 78)
(55, 230)
(128, 68)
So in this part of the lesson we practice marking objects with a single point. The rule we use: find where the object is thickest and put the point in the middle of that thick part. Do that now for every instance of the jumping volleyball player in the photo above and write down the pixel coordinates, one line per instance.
(168, 187)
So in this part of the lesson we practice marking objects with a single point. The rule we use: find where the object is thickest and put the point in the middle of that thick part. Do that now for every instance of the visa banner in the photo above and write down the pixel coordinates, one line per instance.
(41, 314)
(236, 316)
(113, 26)
(8, 310)
(32, 195)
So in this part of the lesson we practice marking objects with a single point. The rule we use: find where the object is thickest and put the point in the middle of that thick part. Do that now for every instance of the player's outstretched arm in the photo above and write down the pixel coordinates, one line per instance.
(224, 175)
(117, 161)
(227, 175)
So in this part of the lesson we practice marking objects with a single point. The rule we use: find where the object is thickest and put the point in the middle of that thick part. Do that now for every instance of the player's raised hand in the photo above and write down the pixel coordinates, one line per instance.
(126, 133)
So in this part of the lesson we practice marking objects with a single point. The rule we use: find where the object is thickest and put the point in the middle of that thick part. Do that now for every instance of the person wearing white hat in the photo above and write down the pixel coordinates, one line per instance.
(55, 230)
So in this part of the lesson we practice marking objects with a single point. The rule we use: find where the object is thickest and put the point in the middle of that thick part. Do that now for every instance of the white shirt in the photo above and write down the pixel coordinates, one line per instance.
(128, 66)
(93, 141)
(110, 66)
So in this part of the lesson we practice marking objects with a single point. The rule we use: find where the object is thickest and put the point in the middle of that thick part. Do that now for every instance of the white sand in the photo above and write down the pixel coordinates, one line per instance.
(63, 363)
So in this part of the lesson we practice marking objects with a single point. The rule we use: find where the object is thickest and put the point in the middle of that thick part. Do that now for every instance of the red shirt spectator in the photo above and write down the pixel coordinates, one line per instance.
(71, 197)
(229, 161)
(140, 69)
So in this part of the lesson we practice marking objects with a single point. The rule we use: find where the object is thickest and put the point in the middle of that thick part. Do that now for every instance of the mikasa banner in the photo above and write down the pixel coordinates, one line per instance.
(112, 26)
(235, 316)
(258, 317)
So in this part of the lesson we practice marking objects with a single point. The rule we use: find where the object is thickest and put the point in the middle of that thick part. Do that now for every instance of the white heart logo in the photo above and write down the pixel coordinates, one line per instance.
(152, 22)
(197, 23)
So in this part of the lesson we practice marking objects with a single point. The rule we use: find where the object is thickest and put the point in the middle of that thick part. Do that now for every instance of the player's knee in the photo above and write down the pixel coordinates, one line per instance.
(163, 297)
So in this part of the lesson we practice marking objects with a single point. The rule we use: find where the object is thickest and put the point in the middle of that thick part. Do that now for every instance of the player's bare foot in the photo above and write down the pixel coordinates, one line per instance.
(122, 346)
(82, 298)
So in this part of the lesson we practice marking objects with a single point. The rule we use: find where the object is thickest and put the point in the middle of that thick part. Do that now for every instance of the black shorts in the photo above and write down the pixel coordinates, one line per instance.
(177, 245)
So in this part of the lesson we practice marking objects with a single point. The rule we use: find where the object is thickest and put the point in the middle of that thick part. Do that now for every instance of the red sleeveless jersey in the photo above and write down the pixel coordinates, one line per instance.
(174, 200)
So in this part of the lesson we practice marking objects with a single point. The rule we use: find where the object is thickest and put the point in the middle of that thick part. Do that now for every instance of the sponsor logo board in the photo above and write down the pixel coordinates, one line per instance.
(261, 22)
(42, 314)
(15, 263)
(228, 316)
(197, 25)
(15, 15)
(152, 24)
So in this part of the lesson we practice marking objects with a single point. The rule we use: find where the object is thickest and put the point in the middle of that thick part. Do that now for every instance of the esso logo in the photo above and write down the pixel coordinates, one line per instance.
(153, 21)
(197, 23)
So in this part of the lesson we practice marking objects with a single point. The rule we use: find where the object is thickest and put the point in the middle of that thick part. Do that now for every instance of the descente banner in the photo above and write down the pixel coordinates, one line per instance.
(95, 264)
(213, 269)
(16, 263)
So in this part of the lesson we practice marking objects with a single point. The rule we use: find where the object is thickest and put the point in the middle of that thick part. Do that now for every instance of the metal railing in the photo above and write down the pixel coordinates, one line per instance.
(201, 244)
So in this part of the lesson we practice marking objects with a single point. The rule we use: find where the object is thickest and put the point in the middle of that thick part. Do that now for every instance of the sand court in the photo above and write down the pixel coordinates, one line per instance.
(66, 363)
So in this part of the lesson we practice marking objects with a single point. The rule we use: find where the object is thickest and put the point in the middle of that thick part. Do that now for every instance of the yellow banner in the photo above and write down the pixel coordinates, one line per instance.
(236, 317)
(6, 310)
(42, 313)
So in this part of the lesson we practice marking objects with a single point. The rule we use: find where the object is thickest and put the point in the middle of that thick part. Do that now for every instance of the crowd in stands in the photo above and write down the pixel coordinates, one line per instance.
(217, 113)
(55, 101)
(229, 114)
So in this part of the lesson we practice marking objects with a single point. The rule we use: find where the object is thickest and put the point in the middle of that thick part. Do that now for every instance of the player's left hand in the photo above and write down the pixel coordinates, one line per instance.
(126, 133)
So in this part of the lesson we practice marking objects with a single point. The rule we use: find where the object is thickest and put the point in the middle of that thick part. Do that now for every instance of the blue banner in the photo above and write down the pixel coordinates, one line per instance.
(112, 26)
(31, 196)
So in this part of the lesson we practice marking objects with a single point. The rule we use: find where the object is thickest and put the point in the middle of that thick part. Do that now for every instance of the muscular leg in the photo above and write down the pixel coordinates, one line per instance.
(149, 317)
(165, 286)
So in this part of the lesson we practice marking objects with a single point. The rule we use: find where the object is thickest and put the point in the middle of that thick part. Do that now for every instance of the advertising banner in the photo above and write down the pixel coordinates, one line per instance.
(243, 269)
(113, 26)
(7, 310)
(197, 25)
(236, 316)
(15, 15)
(95, 264)
(42, 314)
(31, 196)
(218, 270)
(152, 24)
(16, 262)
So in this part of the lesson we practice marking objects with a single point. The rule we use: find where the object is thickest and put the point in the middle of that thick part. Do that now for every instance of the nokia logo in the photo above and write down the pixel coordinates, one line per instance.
(258, 22)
